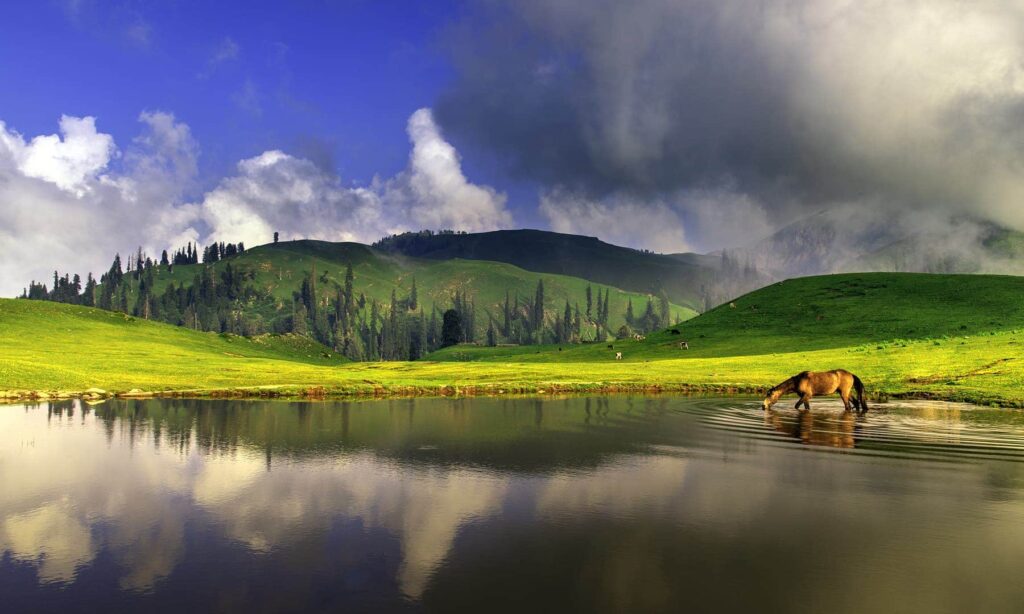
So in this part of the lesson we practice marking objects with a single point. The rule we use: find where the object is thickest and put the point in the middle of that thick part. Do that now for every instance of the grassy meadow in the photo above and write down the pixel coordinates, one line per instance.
(940, 336)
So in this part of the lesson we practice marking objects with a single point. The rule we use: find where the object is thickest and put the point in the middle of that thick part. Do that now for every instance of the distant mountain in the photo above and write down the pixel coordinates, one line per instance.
(695, 280)
(841, 240)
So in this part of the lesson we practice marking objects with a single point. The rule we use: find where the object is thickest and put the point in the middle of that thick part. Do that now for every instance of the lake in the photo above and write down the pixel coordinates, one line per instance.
(619, 503)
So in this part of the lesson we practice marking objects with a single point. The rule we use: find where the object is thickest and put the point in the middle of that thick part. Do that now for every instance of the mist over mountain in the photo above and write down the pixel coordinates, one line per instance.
(697, 280)
(846, 240)
(700, 125)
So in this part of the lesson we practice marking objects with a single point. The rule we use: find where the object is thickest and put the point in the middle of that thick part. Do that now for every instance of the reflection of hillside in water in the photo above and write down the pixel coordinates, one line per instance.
(616, 503)
(273, 473)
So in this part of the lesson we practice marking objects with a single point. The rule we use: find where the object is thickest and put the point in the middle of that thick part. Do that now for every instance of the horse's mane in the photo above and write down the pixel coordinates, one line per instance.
(788, 385)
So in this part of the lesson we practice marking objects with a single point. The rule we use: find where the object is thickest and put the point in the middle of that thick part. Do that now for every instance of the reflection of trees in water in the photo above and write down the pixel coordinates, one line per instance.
(539, 434)
(661, 531)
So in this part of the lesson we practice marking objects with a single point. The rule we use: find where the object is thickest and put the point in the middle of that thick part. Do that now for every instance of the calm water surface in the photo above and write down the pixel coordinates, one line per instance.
(610, 504)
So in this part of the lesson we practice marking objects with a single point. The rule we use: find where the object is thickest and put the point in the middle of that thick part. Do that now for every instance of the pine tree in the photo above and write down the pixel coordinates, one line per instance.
(589, 299)
(349, 281)
(649, 321)
(374, 341)
(506, 326)
(451, 328)
(663, 310)
(629, 314)
(89, 295)
(138, 262)
(567, 323)
(538, 309)
(393, 348)
(275, 237)
(413, 304)
(299, 324)
(491, 339)
(604, 319)
(433, 330)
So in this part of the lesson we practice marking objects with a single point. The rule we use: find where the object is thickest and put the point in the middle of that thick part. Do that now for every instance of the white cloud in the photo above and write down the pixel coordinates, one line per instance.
(278, 192)
(64, 206)
(275, 191)
(69, 160)
(435, 190)
(685, 220)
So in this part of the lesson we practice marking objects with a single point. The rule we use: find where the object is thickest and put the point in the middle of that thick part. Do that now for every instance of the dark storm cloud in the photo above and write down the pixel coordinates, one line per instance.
(794, 104)
(650, 96)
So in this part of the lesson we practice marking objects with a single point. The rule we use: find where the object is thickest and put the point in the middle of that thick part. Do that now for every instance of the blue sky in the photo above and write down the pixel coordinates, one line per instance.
(331, 81)
(672, 126)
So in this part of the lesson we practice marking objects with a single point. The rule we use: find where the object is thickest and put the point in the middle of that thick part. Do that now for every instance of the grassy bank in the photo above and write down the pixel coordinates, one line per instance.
(905, 335)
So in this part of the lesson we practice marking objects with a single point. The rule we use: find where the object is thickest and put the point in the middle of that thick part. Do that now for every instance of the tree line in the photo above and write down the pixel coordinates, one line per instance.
(226, 299)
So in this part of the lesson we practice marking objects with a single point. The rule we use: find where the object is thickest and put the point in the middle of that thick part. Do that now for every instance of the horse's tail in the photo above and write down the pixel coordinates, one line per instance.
(859, 386)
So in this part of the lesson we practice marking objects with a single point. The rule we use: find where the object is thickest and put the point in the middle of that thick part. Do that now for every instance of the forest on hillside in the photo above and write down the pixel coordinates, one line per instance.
(226, 299)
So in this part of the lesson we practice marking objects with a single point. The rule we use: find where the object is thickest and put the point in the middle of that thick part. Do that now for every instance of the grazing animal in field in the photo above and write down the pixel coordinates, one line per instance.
(809, 383)
(618, 355)
(610, 346)
(684, 345)
(674, 331)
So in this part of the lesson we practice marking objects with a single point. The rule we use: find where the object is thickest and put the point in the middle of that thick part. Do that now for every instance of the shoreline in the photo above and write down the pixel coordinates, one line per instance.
(322, 393)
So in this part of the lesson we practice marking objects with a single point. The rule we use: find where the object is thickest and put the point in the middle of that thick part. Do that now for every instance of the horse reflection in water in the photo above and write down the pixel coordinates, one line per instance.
(827, 430)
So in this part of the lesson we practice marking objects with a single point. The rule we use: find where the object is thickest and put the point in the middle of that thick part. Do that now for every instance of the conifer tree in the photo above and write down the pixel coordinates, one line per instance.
(567, 327)
(349, 282)
(663, 310)
(299, 324)
(604, 319)
(506, 326)
(451, 328)
(538, 309)
(491, 338)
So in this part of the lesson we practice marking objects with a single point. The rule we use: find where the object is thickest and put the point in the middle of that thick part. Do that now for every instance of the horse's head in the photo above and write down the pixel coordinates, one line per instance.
(771, 398)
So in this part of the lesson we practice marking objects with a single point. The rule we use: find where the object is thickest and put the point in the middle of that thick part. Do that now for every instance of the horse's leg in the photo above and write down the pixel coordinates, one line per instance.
(806, 401)
(844, 394)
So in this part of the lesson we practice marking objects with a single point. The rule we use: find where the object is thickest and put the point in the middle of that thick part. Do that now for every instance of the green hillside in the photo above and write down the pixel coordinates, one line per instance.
(54, 346)
(946, 337)
(688, 279)
(279, 269)
(812, 313)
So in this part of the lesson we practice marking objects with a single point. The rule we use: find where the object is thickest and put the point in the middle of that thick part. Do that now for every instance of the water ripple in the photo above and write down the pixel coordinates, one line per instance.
(906, 429)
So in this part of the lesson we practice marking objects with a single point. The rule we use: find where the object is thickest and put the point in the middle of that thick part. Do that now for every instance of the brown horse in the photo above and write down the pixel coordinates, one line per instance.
(809, 383)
